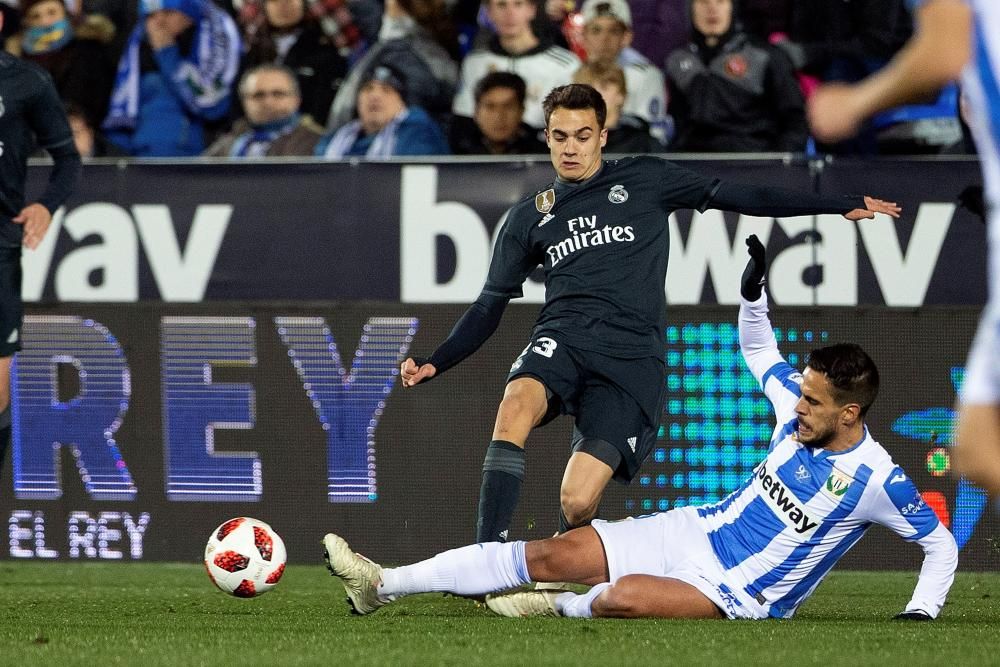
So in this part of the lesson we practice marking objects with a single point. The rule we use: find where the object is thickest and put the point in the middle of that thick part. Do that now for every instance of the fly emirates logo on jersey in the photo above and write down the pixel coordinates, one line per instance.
(584, 234)
(783, 502)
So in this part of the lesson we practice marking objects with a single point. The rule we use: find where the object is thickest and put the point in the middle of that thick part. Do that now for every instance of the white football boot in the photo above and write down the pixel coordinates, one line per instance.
(360, 576)
(524, 603)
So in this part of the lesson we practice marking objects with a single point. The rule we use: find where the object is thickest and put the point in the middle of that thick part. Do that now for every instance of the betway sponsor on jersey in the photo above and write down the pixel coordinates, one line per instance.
(584, 234)
(785, 505)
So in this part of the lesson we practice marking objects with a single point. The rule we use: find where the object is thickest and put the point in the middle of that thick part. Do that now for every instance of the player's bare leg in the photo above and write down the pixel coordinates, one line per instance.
(583, 484)
(646, 596)
(523, 407)
(977, 452)
(577, 557)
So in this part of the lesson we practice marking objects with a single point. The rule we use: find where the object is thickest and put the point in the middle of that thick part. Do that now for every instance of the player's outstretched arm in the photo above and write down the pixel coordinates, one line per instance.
(760, 200)
(470, 332)
(935, 55)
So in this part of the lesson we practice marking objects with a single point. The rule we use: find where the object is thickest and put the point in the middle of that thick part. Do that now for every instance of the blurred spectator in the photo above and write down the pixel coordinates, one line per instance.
(10, 19)
(845, 40)
(762, 18)
(176, 74)
(728, 94)
(516, 48)
(497, 127)
(607, 33)
(416, 39)
(272, 124)
(659, 27)
(385, 126)
(74, 50)
(627, 133)
(284, 33)
(88, 139)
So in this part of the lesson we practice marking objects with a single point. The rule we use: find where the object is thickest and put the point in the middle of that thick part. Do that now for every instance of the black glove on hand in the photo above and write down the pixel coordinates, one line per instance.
(915, 615)
(753, 275)
(971, 199)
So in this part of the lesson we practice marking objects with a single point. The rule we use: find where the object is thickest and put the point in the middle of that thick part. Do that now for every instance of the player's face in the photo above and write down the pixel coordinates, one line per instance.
(604, 38)
(820, 415)
(712, 18)
(575, 141)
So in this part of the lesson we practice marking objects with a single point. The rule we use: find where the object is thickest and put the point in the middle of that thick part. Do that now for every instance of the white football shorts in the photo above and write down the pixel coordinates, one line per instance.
(673, 544)
(982, 371)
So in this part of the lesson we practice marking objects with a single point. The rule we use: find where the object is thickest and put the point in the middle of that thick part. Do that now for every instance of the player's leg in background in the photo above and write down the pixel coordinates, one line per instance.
(646, 596)
(523, 407)
(977, 451)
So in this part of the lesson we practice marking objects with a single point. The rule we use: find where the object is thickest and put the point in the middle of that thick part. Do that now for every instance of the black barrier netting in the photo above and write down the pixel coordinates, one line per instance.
(179, 417)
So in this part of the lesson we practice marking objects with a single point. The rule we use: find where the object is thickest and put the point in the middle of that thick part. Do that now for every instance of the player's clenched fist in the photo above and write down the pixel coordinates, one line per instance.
(413, 373)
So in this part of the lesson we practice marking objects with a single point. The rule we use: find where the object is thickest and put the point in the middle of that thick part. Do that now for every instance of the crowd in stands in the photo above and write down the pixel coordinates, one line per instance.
(381, 78)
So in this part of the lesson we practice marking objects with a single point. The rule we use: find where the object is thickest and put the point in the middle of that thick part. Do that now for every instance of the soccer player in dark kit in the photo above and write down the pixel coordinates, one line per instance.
(597, 351)
(30, 115)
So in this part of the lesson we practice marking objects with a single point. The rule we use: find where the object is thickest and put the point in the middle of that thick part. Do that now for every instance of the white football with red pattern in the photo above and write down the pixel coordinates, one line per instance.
(245, 557)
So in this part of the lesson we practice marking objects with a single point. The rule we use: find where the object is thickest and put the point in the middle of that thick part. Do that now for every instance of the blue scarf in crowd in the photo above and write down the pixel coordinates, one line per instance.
(383, 145)
(203, 80)
(258, 140)
(46, 39)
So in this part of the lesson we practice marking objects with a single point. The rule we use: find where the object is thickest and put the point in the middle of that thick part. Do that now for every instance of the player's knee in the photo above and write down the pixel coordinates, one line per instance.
(616, 601)
(521, 405)
(578, 507)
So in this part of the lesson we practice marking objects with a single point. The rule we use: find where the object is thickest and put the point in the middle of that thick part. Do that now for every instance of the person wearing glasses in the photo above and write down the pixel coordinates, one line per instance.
(272, 124)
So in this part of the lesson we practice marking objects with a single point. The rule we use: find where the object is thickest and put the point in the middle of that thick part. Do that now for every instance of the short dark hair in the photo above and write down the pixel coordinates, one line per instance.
(575, 96)
(501, 80)
(851, 372)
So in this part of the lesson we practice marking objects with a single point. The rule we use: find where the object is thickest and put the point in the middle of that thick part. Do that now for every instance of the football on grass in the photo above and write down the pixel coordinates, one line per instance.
(245, 557)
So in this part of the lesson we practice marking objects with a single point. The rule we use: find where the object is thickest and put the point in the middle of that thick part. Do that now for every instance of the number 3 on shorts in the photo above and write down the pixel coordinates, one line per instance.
(545, 347)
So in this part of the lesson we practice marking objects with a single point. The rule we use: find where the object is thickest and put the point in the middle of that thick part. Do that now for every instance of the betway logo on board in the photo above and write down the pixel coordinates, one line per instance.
(708, 253)
(180, 273)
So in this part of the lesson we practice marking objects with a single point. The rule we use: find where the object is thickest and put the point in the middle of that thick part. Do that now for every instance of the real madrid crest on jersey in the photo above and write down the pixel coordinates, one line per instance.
(618, 194)
(544, 201)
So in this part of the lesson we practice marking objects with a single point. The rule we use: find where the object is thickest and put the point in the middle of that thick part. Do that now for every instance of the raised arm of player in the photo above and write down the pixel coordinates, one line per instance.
(935, 55)
(897, 505)
(779, 380)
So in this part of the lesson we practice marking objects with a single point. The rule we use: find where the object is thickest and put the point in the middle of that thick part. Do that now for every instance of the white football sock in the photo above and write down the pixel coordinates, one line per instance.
(472, 570)
(578, 606)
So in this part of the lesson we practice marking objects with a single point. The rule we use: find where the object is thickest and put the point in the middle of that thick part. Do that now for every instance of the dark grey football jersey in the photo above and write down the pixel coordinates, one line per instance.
(603, 244)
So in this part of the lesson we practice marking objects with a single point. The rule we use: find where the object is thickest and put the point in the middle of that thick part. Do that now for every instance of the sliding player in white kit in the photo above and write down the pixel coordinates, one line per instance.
(759, 553)
(953, 38)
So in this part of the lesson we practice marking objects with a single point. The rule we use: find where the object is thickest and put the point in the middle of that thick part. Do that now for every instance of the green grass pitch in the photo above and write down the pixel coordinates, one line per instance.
(170, 614)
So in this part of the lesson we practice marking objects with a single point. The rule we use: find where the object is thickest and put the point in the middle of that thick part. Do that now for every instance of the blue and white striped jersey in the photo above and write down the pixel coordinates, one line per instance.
(981, 85)
(781, 532)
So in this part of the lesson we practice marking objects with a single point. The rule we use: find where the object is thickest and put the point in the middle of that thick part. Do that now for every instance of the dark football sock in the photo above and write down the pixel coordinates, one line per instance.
(503, 472)
(564, 523)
